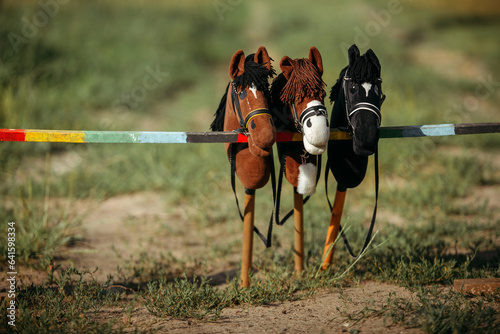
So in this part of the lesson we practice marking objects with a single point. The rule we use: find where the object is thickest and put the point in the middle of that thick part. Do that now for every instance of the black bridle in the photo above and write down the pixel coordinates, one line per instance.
(317, 110)
(351, 110)
(237, 109)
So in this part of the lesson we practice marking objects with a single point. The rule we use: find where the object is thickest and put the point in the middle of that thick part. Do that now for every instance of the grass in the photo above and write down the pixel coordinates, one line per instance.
(63, 306)
(432, 310)
(72, 75)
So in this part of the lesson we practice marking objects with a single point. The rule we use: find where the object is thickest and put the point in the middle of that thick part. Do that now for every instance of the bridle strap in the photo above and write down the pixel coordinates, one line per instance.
(296, 120)
(361, 105)
(317, 110)
(232, 161)
(374, 215)
(365, 106)
(277, 201)
(254, 113)
(236, 106)
(368, 237)
(237, 109)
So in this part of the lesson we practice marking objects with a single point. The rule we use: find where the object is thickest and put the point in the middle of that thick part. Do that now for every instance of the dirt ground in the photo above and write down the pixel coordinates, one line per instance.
(110, 236)
(117, 230)
(323, 313)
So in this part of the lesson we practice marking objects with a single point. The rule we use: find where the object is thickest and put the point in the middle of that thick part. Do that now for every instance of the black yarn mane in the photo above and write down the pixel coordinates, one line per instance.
(254, 73)
(364, 69)
(282, 117)
(276, 87)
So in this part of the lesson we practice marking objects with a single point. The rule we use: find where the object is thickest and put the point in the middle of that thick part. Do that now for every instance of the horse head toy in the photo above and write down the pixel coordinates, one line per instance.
(244, 108)
(358, 97)
(297, 96)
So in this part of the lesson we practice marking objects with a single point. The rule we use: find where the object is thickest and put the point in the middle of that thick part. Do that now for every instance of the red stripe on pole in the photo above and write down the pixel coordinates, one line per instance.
(12, 135)
(284, 136)
(242, 138)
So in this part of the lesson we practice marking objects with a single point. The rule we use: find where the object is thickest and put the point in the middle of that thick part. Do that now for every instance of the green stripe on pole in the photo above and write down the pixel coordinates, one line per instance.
(159, 137)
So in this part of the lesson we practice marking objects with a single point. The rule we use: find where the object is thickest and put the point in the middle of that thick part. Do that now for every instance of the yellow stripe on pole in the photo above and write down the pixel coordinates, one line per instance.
(297, 136)
(339, 135)
(55, 136)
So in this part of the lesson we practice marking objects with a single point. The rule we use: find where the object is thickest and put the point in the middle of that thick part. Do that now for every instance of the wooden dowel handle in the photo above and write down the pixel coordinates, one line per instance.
(298, 217)
(333, 229)
(248, 222)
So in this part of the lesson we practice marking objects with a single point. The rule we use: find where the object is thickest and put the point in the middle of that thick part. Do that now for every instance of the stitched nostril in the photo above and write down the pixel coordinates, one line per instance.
(309, 123)
(252, 124)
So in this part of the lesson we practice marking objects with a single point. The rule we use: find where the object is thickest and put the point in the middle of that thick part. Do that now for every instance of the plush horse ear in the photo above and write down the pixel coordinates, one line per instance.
(374, 59)
(262, 57)
(237, 65)
(315, 58)
(286, 65)
(353, 54)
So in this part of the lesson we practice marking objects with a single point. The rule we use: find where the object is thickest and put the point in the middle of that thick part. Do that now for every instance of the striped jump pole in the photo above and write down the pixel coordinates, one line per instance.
(160, 137)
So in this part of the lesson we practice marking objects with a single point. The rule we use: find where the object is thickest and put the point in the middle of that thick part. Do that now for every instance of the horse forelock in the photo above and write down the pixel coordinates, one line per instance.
(304, 81)
(364, 70)
(256, 74)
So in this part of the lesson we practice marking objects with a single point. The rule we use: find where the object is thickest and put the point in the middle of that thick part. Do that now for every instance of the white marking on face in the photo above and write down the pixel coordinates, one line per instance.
(253, 89)
(367, 86)
(314, 103)
(316, 136)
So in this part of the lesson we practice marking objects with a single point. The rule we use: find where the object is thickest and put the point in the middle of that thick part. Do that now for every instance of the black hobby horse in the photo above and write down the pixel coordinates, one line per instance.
(358, 97)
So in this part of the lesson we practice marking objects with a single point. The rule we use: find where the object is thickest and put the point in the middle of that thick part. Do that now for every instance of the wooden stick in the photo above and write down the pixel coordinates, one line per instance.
(162, 137)
(333, 229)
(248, 221)
(298, 217)
(477, 286)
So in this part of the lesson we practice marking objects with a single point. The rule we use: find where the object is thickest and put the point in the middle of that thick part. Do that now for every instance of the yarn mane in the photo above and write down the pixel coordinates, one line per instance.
(254, 73)
(305, 81)
(363, 70)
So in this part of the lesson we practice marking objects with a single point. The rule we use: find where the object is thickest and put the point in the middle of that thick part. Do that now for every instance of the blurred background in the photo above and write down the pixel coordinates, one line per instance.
(162, 66)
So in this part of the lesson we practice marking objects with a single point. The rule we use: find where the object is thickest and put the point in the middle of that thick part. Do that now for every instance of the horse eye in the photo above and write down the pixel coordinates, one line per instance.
(243, 94)
(353, 89)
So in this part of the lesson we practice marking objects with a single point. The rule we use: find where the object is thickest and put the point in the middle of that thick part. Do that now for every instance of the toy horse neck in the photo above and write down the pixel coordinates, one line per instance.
(339, 113)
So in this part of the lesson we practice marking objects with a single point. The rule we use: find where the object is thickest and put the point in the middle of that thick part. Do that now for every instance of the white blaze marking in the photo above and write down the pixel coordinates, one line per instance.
(367, 86)
(314, 103)
(253, 89)
(316, 136)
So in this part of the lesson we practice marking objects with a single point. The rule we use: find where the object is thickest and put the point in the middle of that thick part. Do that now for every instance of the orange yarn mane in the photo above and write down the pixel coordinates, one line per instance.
(305, 81)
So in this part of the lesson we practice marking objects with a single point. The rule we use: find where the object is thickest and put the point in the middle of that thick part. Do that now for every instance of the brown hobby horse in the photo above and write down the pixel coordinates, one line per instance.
(297, 96)
(244, 108)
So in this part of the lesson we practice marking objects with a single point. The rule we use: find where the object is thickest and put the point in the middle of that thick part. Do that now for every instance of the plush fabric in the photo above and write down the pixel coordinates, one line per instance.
(348, 160)
(306, 183)
(348, 168)
(249, 77)
(300, 83)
